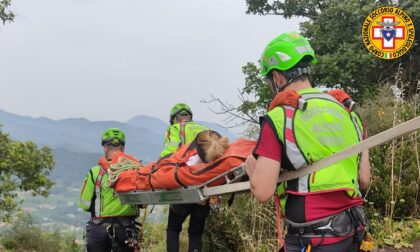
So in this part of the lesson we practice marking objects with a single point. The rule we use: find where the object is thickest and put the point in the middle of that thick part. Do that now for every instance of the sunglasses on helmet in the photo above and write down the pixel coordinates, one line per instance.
(112, 141)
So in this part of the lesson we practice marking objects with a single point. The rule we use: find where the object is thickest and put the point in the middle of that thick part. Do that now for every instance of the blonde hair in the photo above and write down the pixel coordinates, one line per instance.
(211, 145)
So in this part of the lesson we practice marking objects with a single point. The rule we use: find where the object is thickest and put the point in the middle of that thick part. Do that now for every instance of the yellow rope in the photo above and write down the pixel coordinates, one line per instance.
(123, 164)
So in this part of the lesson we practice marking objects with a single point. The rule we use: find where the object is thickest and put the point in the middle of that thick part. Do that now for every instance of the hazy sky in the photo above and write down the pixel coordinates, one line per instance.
(115, 59)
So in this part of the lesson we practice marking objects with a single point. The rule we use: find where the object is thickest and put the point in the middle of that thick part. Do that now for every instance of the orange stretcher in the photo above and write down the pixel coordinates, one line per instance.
(172, 181)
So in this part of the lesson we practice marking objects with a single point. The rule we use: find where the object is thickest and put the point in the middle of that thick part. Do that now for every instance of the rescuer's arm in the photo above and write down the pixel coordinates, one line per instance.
(172, 141)
(264, 171)
(263, 177)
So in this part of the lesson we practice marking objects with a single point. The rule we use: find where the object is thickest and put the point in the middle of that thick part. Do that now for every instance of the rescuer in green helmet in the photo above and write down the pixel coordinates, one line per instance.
(183, 130)
(110, 220)
(323, 210)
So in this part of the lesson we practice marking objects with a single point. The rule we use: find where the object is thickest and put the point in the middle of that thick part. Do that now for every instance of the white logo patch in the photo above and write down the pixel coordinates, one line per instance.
(284, 57)
(303, 49)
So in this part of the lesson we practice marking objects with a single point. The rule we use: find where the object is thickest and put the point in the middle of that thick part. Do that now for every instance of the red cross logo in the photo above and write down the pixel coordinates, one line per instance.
(377, 33)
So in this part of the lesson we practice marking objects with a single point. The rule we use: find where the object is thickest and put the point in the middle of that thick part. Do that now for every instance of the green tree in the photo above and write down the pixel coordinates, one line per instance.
(23, 167)
(334, 29)
(5, 14)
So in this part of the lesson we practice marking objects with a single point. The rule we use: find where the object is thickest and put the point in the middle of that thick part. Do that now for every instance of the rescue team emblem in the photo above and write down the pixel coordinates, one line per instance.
(388, 32)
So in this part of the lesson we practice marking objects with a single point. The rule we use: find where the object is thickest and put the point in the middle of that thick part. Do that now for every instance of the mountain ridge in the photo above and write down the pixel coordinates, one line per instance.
(145, 134)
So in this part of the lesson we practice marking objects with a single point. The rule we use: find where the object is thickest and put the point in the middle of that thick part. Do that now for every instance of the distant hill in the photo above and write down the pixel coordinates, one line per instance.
(160, 126)
(71, 168)
(144, 134)
(80, 134)
(148, 122)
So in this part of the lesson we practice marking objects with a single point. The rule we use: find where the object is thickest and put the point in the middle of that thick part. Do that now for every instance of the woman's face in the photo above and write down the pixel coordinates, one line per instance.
(182, 117)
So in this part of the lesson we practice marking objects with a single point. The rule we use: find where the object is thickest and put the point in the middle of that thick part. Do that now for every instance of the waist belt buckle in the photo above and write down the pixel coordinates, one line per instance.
(326, 227)
(301, 230)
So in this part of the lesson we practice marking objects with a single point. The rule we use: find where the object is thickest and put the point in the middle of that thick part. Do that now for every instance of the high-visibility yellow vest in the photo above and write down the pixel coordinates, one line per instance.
(180, 134)
(324, 128)
(100, 199)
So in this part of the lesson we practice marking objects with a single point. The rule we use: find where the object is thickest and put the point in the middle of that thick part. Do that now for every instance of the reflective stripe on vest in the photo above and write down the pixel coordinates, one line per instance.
(292, 150)
(172, 143)
(321, 96)
(182, 134)
(85, 203)
(98, 192)
(358, 129)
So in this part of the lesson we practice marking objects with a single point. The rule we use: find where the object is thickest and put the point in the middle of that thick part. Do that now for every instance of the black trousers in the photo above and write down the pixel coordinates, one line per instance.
(98, 239)
(177, 215)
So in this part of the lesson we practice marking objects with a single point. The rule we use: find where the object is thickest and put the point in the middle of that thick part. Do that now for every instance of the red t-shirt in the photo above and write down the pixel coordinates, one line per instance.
(314, 206)
(268, 145)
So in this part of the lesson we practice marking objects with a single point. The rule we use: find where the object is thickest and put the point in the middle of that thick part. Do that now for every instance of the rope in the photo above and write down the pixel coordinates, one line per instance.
(278, 221)
(123, 164)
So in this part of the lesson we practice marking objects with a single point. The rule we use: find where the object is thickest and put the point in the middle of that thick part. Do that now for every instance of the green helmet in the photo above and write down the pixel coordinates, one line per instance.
(178, 108)
(284, 52)
(113, 136)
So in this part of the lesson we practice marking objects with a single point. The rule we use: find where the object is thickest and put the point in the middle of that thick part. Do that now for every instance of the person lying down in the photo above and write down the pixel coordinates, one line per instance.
(208, 156)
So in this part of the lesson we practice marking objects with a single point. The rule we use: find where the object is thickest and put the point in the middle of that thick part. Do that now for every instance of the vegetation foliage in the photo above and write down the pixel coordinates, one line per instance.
(5, 14)
(334, 30)
(23, 235)
(23, 167)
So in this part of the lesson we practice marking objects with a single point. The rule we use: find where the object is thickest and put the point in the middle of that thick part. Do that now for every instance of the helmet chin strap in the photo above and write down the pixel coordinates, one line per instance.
(280, 89)
(292, 75)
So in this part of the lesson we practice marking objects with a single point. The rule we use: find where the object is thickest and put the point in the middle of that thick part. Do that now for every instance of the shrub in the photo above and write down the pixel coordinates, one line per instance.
(23, 235)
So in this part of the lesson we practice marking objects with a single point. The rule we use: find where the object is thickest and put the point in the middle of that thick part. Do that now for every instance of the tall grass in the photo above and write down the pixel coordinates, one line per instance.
(245, 226)
(393, 196)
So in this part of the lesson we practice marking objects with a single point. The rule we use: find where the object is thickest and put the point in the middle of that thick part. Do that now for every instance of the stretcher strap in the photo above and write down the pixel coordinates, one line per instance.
(207, 168)
(177, 179)
(149, 177)
(278, 221)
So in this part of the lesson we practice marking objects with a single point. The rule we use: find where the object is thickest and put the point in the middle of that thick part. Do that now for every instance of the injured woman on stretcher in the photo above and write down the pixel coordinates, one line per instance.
(208, 156)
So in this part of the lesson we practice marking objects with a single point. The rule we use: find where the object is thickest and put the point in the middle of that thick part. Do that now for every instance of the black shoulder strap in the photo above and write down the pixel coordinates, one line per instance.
(91, 177)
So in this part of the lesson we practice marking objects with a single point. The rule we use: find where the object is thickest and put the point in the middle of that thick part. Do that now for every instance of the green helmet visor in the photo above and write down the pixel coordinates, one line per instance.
(113, 142)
